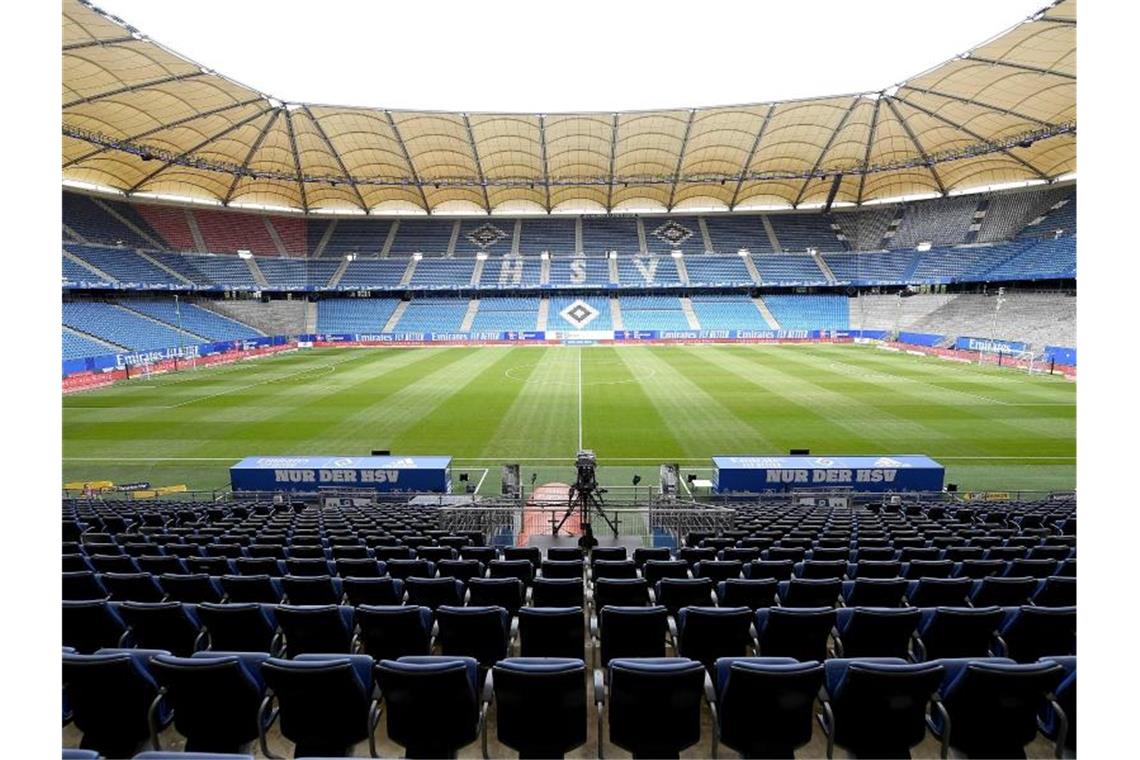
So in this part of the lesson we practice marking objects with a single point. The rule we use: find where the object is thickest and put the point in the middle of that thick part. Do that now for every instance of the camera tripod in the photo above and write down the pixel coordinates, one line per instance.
(586, 499)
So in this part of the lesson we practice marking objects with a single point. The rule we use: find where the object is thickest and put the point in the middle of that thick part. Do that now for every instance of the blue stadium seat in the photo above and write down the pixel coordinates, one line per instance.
(993, 704)
(764, 704)
(325, 702)
(876, 707)
(654, 705)
(540, 704)
(215, 697)
(435, 704)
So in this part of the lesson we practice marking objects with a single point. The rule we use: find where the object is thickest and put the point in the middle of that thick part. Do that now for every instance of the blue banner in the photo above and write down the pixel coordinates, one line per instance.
(425, 337)
(1061, 355)
(759, 474)
(920, 339)
(966, 343)
(390, 474)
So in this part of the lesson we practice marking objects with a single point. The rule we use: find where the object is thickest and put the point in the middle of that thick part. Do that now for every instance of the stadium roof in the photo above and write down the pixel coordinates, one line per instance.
(142, 119)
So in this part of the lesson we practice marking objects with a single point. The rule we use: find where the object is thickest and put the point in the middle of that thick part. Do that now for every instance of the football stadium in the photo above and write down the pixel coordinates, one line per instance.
(740, 430)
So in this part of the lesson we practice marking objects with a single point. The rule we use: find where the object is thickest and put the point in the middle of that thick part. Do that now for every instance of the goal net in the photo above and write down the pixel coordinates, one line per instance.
(1028, 360)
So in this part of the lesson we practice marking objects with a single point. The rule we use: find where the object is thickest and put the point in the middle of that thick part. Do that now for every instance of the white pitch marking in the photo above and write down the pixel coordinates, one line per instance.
(579, 399)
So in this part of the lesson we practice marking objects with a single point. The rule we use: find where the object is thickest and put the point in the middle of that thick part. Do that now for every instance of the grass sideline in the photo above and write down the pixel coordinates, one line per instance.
(636, 406)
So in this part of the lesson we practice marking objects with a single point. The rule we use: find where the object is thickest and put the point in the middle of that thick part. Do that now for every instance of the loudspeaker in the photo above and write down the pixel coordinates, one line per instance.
(799, 452)
(381, 453)
(951, 488)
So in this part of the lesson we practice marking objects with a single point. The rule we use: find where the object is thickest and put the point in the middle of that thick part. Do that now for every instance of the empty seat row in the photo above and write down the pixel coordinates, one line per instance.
(436, 705)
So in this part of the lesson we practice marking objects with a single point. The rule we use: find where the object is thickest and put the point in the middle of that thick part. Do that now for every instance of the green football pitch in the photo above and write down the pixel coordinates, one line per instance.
(636, 406)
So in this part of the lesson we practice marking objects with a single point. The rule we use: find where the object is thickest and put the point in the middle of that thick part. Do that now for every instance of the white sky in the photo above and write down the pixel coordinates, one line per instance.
(536, 56)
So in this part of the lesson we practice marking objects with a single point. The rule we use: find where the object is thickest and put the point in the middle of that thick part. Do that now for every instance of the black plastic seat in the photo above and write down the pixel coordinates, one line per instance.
(753, 593)
(957, 631)
(325, 702)
(482, 633)
(675, 593)
(875, 631)
(172, 626)
(433, 703)
(552, 632)
(541, 705)
(705, 634)
(508, 593)
(558, 592)
(316, 629)
(392, 632)
(631, 632)
(655, 705)
(878, 705)
(240, 627)
(764, 704)
(799, 633)
(216, 698)
(91, 625)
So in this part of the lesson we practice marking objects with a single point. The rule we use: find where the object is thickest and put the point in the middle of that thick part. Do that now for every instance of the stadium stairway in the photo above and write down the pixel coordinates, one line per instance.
(175, 328)
(90, 267)
(113, 348)
(687, 308)
(764, 312)
(255, 272)
(823, 267)
(324, 241)
(398, 312)
(469, 316)
(543, 314)
(770, 231)
(477, 272)
(615, 314)
(750, 265)
(682, 271)
(408, 273)
(335, 279)
(129, 224)
(175, 276)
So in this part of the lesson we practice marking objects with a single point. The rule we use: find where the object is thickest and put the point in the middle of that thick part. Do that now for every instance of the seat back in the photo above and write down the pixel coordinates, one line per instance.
(707, 633)
(1056, 591)
(875, 592)
(632, 632)
(215, 699)
(615, 568)
(460, 569)
(800, 633)
(312, 589)
(876, 631)
(375, 591)
(541, 704)
(620, 592)
(764, 705)
(432, 592)
(481, 633)
(780, 569)
(323, 703)
(432, 703)
(558, 592)
(315, 628)
(238, 627)
(675, 593)
(392, 632)
(508, 593)
(192, 589)
(89, 626)
(655, 705)
(809, 592)
(993, 706)
(171, 626)
(552, 632)
(880, 706)
(1004, 592)
(109, 694)
(958, 631)
(1031, 633)
(939, 592)
(655, 569)
(752, 593)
